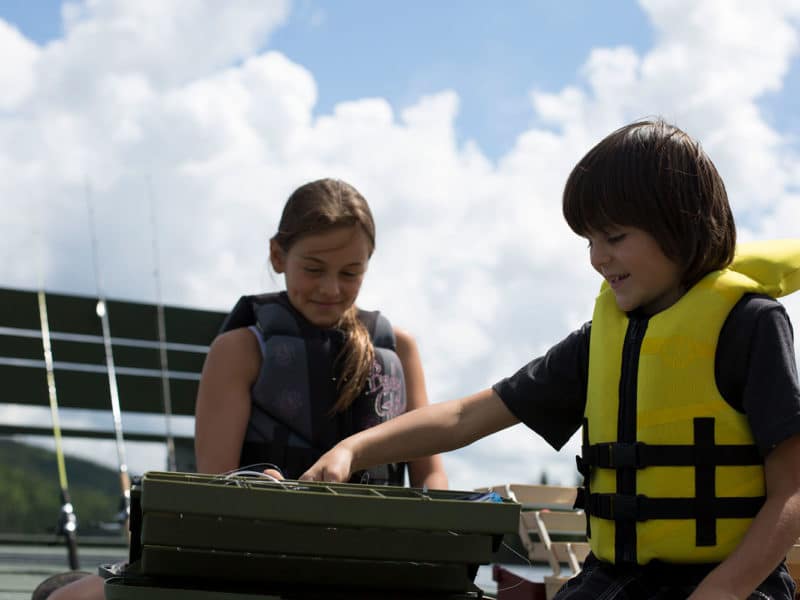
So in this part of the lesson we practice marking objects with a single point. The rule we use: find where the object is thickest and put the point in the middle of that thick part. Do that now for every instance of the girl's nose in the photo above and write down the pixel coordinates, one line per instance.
(330, 285)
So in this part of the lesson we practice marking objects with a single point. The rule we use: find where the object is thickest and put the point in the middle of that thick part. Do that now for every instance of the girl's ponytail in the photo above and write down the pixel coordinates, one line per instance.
(356, 359)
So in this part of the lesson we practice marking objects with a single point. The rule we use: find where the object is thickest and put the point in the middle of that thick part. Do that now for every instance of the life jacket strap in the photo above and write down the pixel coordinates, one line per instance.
(638, 455)
(622, 507)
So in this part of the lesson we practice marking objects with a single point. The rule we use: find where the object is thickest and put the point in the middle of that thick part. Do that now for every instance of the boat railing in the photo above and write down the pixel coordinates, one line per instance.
(550, 530)
(100, 356)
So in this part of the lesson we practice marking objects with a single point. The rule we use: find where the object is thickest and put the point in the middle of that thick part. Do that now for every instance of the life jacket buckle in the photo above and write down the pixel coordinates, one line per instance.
(625, 455)
(625, 507)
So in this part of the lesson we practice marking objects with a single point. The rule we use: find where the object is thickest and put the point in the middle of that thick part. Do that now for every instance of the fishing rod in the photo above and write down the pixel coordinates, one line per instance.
(102, 313)
(67, 521)
(166, 396)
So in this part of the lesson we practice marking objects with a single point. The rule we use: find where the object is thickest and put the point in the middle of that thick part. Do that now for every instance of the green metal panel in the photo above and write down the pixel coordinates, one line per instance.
(134, 320)
(90, 353)
(317, 503)
(91, 434)
(186, 360)
(73, 314)
(89, 390)
(362, 536)
(123, 588)
(425, 543)
(142, 588)
(192, 326)
(210, 532)
(19, 308)
(17, 346)
(23, 385)
(286, 570)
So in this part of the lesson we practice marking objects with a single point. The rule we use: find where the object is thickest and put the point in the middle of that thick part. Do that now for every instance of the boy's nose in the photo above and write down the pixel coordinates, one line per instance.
(598, 256)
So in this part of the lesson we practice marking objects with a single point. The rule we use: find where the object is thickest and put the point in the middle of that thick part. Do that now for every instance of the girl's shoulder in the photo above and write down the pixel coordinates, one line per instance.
(404, 341)
(235, 345)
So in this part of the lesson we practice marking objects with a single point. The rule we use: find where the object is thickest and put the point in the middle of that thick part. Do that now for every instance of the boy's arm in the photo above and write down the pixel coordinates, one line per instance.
(773, 531)
(427, 471)
(425, 431)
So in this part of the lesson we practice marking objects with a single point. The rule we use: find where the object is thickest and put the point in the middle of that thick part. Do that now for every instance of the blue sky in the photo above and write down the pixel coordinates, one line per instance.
(459, 121)
(492, 56)
(400, 51)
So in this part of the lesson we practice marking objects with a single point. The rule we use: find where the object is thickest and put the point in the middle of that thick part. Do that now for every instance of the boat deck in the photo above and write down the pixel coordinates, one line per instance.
(24, 566)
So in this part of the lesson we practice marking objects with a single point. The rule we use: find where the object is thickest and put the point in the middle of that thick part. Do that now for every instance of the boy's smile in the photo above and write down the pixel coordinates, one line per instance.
(638, 272)
(616, 280)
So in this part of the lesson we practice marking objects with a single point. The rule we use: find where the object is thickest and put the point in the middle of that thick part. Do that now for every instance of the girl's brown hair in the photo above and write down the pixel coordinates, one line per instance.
(318, 207)
(653, 176)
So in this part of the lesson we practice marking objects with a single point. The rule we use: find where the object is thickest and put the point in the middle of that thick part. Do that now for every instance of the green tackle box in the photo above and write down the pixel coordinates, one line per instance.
(253, 530)
(119, 588)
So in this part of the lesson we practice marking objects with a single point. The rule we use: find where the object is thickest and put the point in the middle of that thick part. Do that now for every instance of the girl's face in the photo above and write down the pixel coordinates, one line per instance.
(323, 272)
(639, 273)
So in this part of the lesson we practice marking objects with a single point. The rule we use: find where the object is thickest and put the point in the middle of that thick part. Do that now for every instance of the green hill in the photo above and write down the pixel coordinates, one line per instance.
(29, 491)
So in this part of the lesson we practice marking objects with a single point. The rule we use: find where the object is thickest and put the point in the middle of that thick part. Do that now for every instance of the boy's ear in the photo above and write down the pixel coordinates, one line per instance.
(277, 257)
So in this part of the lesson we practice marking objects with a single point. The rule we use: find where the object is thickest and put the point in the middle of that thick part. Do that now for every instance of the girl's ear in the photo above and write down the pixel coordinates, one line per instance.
(277, 257)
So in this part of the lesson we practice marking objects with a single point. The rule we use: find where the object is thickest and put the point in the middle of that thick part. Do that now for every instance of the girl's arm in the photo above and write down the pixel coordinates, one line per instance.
(773, 531)
(427, 471)
(422, 432)
(223, 400)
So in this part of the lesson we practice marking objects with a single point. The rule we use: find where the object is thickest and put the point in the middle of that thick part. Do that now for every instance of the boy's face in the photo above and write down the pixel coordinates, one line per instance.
(324, 272)
(639, 273)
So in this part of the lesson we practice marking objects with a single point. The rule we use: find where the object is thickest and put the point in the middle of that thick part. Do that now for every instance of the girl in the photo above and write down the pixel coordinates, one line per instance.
(686, 388)
(295, 372)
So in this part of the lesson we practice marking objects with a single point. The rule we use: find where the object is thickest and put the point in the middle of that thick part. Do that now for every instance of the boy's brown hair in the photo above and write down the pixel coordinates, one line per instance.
(651, 175)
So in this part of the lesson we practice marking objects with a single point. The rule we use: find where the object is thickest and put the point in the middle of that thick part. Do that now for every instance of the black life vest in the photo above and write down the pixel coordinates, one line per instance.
(291, 424)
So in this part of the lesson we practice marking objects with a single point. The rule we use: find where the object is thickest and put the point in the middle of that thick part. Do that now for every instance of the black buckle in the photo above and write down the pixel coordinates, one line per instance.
(580, 498)
(624, 507)
(583, 467)
(616, 507)
(624, 455)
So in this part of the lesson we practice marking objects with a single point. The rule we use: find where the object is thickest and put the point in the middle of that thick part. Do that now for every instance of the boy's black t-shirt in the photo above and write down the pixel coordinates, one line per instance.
(755, 370)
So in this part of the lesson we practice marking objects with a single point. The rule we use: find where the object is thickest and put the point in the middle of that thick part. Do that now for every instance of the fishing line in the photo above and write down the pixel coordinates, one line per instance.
(102, 313)
(67, 521)
(166, 395)
(250, 471)
(524, 558)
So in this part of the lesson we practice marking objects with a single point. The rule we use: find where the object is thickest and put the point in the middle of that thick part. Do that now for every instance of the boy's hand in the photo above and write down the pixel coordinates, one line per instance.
(335, 465)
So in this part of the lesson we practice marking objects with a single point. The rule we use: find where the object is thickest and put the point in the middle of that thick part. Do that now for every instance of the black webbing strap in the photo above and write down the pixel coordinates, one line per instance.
(705, 482)
(638, 455)
(620, 507)
(704, 455)
(586, 471)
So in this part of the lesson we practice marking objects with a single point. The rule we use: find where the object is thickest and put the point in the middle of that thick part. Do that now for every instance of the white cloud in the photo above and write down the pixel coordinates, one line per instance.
(473, 257)
(16, 76)
(169, 42)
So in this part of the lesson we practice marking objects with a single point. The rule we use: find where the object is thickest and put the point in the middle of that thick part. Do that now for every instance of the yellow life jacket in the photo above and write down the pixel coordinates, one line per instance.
(671, 469)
